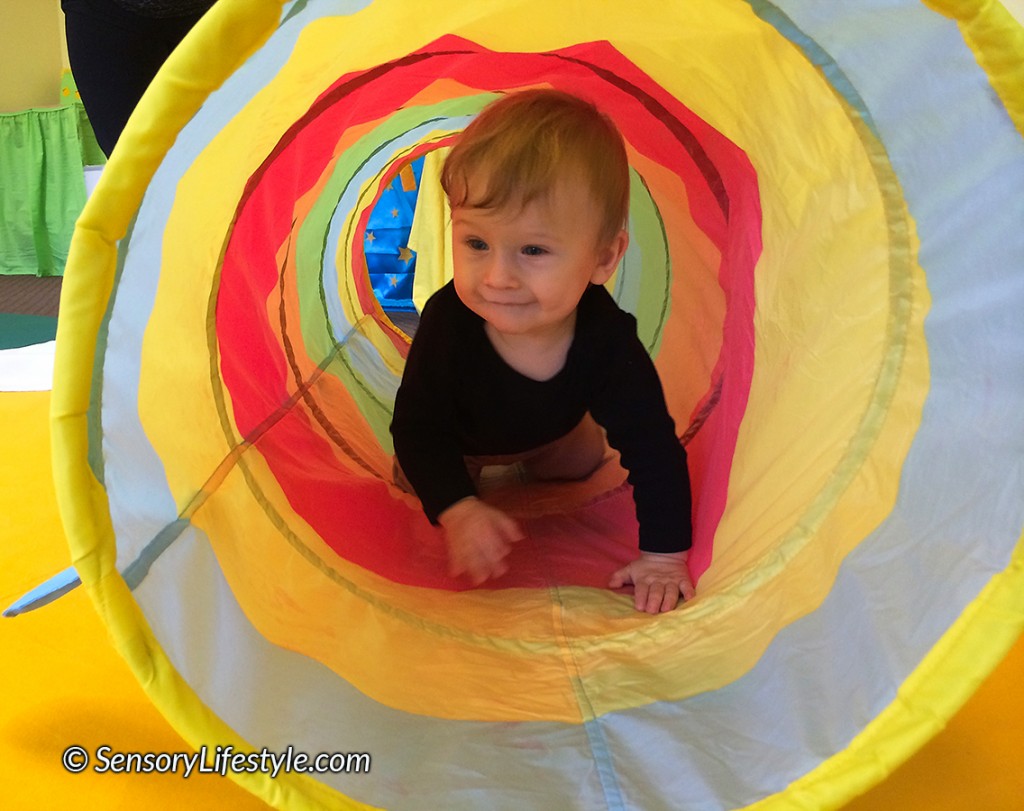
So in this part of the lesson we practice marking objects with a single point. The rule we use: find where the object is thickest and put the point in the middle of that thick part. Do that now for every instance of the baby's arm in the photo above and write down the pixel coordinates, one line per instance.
(427, 448)
(423, 424)
(631, 406)
(479, 539)
(658, 579)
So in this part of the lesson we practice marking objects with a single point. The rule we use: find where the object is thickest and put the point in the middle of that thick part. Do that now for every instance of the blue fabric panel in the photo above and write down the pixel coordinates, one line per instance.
(389, 261)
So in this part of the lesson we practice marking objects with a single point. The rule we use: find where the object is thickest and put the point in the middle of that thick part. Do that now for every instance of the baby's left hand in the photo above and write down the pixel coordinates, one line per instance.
(658, 579)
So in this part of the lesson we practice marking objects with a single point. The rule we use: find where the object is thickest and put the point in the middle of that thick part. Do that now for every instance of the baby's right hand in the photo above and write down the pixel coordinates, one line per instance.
(479, 539)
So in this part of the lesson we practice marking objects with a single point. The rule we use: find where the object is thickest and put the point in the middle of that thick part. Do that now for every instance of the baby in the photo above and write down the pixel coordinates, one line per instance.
(525, 357)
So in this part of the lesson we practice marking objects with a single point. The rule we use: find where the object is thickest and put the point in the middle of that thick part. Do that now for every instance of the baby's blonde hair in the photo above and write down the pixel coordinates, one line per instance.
(523, 144)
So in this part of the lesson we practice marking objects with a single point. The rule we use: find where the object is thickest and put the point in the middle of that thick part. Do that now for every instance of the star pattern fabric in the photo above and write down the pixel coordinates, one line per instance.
(389, 260)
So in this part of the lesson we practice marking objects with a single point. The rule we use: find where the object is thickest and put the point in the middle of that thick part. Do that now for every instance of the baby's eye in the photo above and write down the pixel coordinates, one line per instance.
(475, 244)
(534, 250)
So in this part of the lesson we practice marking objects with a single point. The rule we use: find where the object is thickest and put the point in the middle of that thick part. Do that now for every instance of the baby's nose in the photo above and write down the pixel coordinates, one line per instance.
(500, 273)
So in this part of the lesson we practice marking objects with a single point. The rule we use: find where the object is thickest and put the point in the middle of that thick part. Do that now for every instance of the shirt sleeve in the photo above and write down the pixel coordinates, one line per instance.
(424, 423)
(629, 403)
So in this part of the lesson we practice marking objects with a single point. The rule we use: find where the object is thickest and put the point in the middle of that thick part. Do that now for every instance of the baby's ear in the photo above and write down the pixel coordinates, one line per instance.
(609, 256)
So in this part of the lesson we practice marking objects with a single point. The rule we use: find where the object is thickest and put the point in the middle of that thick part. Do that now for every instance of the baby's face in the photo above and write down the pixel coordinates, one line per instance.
(525, 270)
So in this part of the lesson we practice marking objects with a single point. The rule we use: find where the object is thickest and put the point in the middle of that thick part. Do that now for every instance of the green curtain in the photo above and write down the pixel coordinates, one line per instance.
(42, 187)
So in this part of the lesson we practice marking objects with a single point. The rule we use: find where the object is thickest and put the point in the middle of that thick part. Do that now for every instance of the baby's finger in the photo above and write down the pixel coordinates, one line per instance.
(482, 569)
(641, 594)
(686, 589)
(492, 558)
(498, 568)
(620, 578)
(670, 600)
(456, 563)
(510, 529)
(470, 567)
(655, 597)
(470, 561)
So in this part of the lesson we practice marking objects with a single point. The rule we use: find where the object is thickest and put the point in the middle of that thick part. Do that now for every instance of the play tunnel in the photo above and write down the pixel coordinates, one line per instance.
(825, 262)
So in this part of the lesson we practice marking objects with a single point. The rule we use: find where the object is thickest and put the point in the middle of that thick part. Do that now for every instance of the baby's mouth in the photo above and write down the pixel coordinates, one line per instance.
(500, 303)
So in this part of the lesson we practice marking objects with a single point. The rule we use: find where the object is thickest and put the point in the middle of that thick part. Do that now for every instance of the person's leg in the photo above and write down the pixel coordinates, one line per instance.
(114, 55)
(571, 458)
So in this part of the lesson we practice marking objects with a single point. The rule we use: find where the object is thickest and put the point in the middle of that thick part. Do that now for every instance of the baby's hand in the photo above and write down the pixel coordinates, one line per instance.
(658, 580)
(479, 539)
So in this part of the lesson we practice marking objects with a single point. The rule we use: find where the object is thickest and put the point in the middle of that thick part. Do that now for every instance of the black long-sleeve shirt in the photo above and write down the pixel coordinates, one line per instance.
(459, 398)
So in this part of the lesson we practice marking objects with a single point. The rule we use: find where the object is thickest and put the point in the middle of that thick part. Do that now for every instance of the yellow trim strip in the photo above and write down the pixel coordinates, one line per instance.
(939, 686)
(997, 41)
